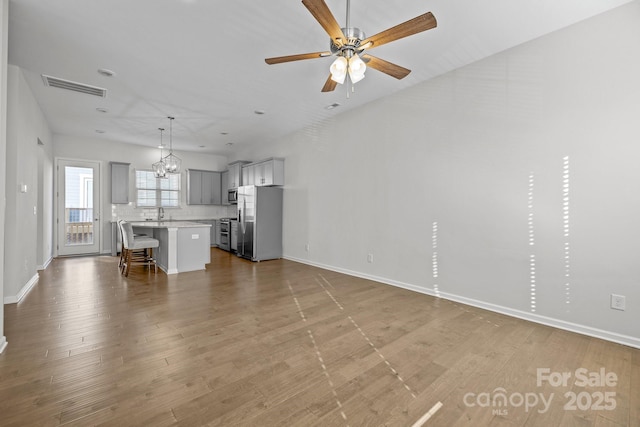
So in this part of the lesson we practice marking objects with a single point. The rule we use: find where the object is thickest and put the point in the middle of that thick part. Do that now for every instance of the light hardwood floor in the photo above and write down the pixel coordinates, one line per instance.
(285, 344)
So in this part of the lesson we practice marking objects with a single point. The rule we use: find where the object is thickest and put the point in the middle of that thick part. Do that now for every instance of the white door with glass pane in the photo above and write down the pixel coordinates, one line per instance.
(78, 207)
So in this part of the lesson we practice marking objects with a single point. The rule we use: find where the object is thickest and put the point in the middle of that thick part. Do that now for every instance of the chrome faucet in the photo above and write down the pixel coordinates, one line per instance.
(160, 213)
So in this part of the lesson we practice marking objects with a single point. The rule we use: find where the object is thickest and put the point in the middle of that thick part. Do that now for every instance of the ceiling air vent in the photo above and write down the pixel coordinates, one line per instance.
(74, 86)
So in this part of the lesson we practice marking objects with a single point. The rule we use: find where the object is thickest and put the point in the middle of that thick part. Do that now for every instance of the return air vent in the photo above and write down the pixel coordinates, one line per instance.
(74, 86)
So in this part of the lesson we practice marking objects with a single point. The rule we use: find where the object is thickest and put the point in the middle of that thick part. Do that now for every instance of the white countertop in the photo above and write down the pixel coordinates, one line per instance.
(169, 224)
(136, 220)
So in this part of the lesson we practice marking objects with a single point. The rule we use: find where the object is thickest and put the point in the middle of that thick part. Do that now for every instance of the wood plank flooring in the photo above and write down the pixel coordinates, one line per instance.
(279, 343)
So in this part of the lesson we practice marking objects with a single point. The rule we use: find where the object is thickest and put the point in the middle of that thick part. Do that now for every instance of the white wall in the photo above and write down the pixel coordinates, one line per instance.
(25, 126)
(4, 24)
(45, 192)
(465, 152)
(105, 151)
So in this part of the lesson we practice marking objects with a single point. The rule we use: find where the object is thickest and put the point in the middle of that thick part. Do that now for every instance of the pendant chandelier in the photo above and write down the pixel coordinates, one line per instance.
(159, 167)
(172, 162)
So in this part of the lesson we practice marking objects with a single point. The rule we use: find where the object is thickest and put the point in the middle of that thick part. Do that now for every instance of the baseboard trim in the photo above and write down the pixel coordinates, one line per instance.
(46, 264)
(3, 344)
(14, 299)
(532, 317)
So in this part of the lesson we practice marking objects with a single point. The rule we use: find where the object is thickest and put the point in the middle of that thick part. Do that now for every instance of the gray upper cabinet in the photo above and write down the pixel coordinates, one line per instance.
(194, 187)
(203, 187)
(119, 183)
(268, 172)
(224, 187)
(207, 188)
(248, 174)
(235, 174)
(213, 182)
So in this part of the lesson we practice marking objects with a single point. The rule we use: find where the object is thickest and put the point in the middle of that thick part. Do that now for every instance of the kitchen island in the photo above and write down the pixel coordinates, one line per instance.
(184, 245)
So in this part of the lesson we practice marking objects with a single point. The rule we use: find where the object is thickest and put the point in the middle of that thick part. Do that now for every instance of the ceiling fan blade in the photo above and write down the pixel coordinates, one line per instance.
(323, 15)
(386, 67)
(329, 85)
(289, 58)
(413, 26)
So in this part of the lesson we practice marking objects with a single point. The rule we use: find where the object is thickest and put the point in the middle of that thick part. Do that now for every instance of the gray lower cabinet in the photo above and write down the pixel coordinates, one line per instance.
(119, 183)
(234, 236)
(212, 231)
(218, 232)
(215, 228)
(203, 187)
(116, 239)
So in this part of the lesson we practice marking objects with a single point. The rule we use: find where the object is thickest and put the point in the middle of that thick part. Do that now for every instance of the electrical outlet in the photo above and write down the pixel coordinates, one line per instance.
(370, 258)
(618, 302)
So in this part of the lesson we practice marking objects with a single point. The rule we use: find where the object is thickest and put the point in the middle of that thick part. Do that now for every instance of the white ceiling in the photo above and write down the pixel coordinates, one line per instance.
(202, 61)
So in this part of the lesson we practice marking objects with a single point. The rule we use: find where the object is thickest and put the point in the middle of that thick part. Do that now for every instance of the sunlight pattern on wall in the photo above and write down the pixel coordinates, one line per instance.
(565, 226)
(434, 257)
(532, 242)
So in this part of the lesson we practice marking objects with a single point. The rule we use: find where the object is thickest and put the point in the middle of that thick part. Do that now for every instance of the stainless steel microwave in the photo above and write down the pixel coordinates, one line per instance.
(233, 195)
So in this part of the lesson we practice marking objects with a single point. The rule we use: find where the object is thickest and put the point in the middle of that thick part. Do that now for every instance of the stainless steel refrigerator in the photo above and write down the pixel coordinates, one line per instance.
(259, 222)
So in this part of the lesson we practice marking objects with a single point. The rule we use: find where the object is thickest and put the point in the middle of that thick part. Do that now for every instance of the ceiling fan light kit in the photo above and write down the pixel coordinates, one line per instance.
(348, 60)
(349, 44)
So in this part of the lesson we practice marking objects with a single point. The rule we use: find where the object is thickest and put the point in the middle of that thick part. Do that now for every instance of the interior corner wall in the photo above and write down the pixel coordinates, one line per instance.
(4, 24)
(510, 184)
(45, 208)
(25, 126)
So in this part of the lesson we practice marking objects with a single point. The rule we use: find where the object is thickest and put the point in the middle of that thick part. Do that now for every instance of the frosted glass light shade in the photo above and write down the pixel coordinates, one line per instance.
(339, 69)
(357, 67)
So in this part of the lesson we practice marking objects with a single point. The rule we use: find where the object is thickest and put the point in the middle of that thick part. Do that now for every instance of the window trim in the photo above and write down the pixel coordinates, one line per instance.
(158, 190)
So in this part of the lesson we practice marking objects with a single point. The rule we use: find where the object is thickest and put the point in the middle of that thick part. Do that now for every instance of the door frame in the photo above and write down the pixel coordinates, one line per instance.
(96, 248)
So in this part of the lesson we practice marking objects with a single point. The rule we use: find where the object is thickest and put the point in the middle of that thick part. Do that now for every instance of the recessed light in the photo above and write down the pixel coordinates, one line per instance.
(224, 133)
(259, 112)
(202, 146)
(229, 144)
(332, 106)
(105, 72)
(100, 131)
(102, 110)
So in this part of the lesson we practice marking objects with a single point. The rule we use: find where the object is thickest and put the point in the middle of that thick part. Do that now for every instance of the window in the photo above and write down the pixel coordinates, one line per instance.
(152, 192)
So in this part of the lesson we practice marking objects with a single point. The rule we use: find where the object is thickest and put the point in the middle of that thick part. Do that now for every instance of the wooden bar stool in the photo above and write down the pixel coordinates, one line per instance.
(136, 250)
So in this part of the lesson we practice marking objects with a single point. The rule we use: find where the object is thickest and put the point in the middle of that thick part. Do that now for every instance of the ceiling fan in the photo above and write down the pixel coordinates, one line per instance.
(349, 44)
